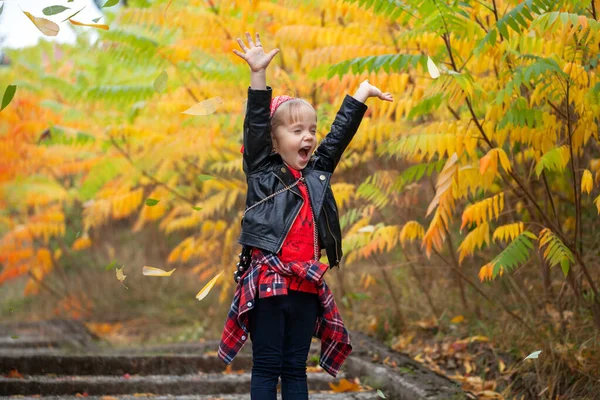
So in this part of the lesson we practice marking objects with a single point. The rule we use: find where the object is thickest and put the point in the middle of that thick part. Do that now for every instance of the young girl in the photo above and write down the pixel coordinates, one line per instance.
(281, 300)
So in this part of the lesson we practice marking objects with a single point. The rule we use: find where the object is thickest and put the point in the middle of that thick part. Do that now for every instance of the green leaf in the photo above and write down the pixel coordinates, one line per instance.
(8, 95)
(151, 202)
(197, 208)
(53, 10)
(1, 8)
(380, 394)
(204, 178)
(72, 15)
(110, 266)
(160, 83)
(110, 3)
(97, 19)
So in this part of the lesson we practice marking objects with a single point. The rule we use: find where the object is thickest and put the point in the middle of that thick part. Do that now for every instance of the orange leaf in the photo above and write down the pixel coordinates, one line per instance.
(45, 26)
(345, 386)
(99, 26)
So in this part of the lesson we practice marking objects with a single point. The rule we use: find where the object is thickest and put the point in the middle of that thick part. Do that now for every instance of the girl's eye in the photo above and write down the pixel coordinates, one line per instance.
(297, 131)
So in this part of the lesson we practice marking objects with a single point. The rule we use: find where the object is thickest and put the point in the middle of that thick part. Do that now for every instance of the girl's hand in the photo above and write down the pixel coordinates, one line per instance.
(254, 54)
(373, 91)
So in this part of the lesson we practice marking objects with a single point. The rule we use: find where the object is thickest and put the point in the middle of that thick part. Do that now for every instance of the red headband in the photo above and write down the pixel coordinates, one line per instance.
(275, 103)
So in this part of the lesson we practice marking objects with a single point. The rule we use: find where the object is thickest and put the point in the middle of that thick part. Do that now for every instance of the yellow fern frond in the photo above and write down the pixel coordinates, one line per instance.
(344, 193)
(508, 232)
(412, 230)
(474, 240)
(483, 210)
(436, 233)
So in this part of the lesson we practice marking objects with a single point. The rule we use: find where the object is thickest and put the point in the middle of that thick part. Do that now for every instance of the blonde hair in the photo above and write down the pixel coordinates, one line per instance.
(290, 112)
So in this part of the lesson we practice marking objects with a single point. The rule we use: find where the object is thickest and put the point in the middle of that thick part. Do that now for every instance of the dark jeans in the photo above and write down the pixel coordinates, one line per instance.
(281, 329)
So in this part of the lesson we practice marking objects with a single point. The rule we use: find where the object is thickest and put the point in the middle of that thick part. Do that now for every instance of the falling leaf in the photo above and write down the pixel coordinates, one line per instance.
(207, 288)
(8, 95)
(99, 26)
(74, 14)
(345, 386)
(1, 8)
(110, 3)
(53, 10)
(97, 19)
(151, 202)
(45, 26)
(110, 266)
(204, 178)
(535, 354)
(150, 271)
(120, 276)
(160, 83)
(197, 208)
(205, 107)
(380, 394)
(77, 234)
(14, 337)
(433, 70)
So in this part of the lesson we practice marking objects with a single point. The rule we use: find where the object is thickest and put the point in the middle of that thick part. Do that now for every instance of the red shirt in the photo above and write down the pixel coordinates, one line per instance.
(298, 244)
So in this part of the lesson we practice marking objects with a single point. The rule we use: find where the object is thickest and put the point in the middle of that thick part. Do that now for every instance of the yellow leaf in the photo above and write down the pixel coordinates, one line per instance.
(205, 107)
(150, 271)
(345, 386)
(597, 201)
(45, 26)
(458, 319)
(207, 288)
(120, 276)
(501, 366)
(587, 182)
(98, 26)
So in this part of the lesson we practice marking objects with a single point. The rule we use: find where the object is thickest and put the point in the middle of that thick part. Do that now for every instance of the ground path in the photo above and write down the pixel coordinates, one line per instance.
(63, 360)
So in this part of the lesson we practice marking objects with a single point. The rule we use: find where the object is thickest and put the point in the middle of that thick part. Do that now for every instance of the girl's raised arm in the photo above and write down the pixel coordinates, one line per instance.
(257, 129)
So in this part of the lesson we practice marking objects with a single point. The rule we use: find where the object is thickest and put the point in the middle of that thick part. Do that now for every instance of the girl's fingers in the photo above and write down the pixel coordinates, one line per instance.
(242, 45)
(239, 54)
(272, 54)
(250, 42)
(258, 43)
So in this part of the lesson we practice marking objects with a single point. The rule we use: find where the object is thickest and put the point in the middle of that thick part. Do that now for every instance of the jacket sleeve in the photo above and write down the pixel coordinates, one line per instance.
(342, 131)
(257, 129)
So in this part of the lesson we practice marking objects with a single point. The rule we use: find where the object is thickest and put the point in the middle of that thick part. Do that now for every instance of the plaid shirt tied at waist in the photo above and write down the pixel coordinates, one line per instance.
(335, 341)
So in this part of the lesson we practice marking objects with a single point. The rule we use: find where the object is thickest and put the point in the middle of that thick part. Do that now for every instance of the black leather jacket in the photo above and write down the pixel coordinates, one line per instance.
(266, 225)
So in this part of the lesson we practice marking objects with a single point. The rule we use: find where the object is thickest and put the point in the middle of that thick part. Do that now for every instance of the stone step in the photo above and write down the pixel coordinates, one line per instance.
(367, 395)
(197, 384)
(30, 341)
(92, 364)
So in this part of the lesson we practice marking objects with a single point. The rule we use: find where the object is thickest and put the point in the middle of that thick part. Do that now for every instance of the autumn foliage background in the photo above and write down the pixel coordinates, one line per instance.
(469, 205)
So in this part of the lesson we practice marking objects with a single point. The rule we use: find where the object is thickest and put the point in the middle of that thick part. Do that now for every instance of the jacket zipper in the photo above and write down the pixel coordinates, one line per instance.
(333, 236)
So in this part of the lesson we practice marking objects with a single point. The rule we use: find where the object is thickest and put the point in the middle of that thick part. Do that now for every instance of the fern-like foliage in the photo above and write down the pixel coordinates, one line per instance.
(515, 254)
(556, 252)
(391, 9)
(388, 63)
(474, 240)
(508, 232)
(517, 19)
(554, 160)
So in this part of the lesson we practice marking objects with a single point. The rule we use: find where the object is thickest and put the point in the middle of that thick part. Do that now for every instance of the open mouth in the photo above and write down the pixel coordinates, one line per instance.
(303, 152)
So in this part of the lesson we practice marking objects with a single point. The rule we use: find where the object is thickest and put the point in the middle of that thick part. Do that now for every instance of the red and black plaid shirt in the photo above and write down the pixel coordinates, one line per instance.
(335, 341)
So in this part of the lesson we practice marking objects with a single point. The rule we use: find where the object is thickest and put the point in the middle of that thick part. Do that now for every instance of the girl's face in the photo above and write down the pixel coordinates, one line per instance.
(296, 140)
